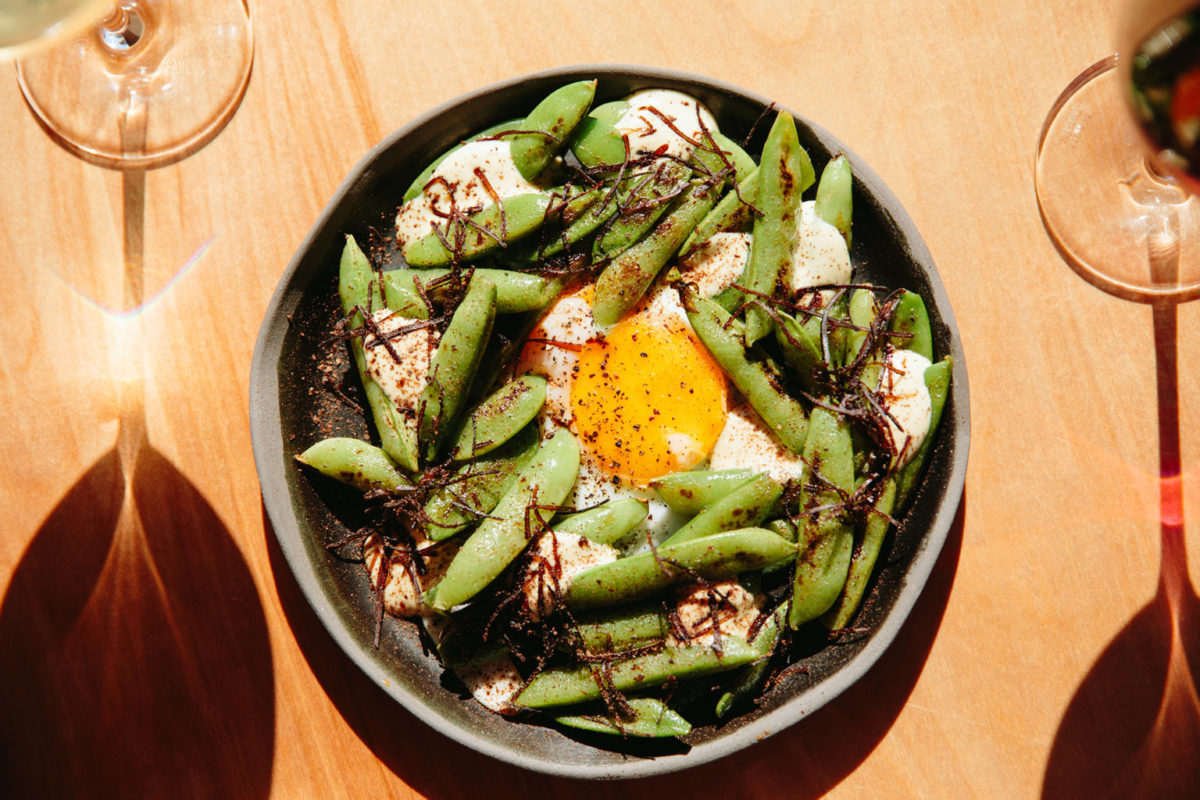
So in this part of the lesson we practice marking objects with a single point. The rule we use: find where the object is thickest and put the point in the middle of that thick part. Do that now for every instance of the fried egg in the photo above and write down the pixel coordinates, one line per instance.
(644, 398)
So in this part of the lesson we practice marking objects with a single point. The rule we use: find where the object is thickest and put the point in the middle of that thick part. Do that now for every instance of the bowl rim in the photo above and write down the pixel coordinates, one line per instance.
(267, 445)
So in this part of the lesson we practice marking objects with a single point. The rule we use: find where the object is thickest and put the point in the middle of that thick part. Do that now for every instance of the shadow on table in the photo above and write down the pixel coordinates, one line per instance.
(805, 761)
(1133, 727)
(134, 650)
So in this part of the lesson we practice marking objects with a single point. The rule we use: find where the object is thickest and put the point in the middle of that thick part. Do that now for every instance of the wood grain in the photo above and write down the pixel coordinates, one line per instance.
(171, 649)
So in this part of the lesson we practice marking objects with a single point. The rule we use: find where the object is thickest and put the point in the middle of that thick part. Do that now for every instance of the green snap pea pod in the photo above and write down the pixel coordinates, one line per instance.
(562, 686)
(622, 629)
(492, 228)
(738, 158)
(911, 317)
(862, 564)
(780, 184)
(606, 523)
(358, 288)
(937, 380)
(754, 379)
(516, 292)
(731, 213)
(597, 141)
(783, 528)
(692, 492)
(801, 351)
(453, 366)
(649, 198)
(745, 506)
(862, 313)
(624, 282)
(603, 203)
(418, 184)
(824, 560)
(355, 463)
(749, 683)
(554, 119)
(499, 539)
(635, 577)
(498, 418)
(835, 197)
(478, 485)
(652, 718)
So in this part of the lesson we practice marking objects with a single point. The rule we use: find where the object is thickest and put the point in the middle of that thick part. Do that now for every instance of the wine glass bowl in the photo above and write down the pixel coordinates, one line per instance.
(151, 84)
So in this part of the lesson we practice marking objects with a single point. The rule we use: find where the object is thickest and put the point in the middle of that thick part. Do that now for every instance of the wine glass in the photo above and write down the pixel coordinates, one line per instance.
(150, 84)
(1117, 177)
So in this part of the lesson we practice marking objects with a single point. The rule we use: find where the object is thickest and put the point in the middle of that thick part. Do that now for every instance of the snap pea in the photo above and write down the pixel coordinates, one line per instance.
(911, 317)
(862, 563)
(478, 485)
(498, 418)
(522, 511)
(624, 282)
(862, 310)
(651, 718)
(607, 523)
(835, 197)
(828, 539)
(597, 142)
(749, 683)
(782, 528)
(780, 184)
(453, 366)
(761, 387)
(358, 290)
(562, 686)
(516, 292)
(355, 463)
(692, 492)
(635, 577)
(554, 119)
(738, 158)
(747, 505)
(801, 351)
(648, 199)
(493, 227)
(621, 629)
(731, 213)
(579, 226)
(937, 380)
(418, 184)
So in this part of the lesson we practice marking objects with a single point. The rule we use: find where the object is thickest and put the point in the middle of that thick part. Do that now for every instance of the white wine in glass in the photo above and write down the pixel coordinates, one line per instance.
(149, 85)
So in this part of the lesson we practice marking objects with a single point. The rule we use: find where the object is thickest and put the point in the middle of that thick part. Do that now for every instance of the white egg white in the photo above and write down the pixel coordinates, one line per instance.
(404, 377)
(747, 443)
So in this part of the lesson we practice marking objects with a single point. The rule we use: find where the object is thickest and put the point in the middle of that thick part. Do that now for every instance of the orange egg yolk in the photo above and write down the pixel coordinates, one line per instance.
(647, 399)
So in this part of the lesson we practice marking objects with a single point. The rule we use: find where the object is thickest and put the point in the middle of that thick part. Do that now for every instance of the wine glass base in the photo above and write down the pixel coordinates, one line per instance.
(146, 92)
(1115, 220)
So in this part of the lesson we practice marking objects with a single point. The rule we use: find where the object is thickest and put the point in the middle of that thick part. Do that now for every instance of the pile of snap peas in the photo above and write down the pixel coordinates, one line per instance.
(469, 468)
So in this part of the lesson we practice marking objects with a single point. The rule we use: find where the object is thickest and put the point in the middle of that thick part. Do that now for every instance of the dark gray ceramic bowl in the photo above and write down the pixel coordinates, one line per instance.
(287, 360)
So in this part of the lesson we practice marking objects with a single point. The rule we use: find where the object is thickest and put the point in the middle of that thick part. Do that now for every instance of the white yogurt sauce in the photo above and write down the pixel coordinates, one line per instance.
(717, 263)
(401, 595)
(822, 257)
(906, 397)
(493, 681)
(747, 443)
(649, 133)
(737, 609)
(454, 185)
(555, 559)
(402, 380)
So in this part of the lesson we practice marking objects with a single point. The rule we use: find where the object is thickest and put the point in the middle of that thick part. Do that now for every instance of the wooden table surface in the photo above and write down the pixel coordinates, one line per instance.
(172, 651)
